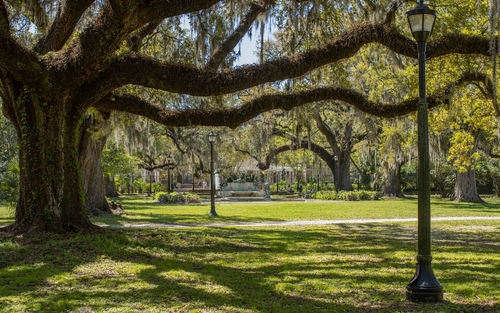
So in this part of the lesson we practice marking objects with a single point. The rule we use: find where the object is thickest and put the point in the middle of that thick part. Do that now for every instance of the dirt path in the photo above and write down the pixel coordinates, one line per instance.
(298, 223)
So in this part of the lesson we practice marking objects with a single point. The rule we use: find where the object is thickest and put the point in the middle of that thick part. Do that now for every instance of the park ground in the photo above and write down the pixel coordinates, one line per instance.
(331, 268)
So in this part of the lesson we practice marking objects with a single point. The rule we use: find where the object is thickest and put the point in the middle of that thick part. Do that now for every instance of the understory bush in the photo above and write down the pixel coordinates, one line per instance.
(347, 195)
(304, 188)
(176, 197)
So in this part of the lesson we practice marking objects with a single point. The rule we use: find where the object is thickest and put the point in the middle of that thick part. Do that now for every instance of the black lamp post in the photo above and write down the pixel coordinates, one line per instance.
(424, 286)
(150, 181)
(169, 164)
(211, 139)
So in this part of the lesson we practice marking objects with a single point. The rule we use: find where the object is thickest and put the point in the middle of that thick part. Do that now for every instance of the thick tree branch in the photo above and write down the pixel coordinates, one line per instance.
(14, 58)
(170, 132)
(84, 55)
(326, 131)
(134, 42)
(186, 79)
(250, 155)
(228, 45)
(4, 20)
(154, 167)
(68, 15)
(160, 9)
(232, 117)
(320, 151)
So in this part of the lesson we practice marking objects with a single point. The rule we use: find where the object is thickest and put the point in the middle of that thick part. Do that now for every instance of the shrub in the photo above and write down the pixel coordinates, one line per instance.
(377, 195)
(176, 197)
(364, 195)
(192, 198)
(325, 195)
(161, 196)
(347, 195)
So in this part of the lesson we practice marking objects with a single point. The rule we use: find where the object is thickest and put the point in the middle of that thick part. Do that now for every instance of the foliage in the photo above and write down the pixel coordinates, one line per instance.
(470, 119)
(443, 179)
(462, 151)
(176, 197)
(409, 176)
(9, 170)
(115, 161)
(9, 183)
(347, 195)
(488, 172)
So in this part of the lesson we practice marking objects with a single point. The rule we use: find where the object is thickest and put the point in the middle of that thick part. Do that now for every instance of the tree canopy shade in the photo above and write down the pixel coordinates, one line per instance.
(79, 63)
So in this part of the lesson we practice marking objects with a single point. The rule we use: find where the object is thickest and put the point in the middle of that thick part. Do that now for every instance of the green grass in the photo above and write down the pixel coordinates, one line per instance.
(142, 209)
(337, 268)
(6, 213)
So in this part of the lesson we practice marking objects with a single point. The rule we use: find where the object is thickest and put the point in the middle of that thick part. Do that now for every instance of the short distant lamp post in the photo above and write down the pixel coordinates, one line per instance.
(424, 286)
(319, 177)
(150, 181)
(169, 167)
(211, 139)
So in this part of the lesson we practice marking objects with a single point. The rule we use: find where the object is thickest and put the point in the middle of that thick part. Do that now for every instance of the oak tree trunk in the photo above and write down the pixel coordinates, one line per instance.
(343, 171)
(392, 181)
(94, 133)
(109, 182)
(50, 194)
(465, 187)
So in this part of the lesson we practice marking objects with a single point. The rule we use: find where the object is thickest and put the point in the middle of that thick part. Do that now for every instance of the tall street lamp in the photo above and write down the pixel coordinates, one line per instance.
(169, 164)
(424, 286)
(211, 139)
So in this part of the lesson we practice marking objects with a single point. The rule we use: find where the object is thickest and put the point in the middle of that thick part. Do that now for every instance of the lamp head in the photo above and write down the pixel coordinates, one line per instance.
(421, 20)
(211, 137)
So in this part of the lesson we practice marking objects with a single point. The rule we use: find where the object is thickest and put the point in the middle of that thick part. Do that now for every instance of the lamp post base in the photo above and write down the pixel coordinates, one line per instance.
(424, 286)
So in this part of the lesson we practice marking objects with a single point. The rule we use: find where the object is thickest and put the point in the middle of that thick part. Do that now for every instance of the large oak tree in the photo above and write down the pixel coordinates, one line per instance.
(47, 88)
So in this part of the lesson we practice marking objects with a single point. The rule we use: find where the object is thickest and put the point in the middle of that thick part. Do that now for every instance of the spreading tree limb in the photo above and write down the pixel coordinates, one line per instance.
(186, 79)
(18, 61)
(68, 15)
(233, 117)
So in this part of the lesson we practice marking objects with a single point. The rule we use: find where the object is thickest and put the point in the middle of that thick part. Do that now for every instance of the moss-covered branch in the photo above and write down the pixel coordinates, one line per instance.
(232, 117)
(68, 15)
(185, 79)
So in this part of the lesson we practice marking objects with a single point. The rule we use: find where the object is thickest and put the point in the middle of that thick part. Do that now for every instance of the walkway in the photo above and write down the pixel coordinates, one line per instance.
(299, 223)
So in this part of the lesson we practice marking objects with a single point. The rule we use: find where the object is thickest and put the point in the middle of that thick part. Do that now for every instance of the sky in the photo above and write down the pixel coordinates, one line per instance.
(249, 50)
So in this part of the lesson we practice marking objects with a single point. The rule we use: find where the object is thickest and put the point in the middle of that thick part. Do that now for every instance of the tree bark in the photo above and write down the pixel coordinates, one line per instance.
(392, 181)
(465, 187)
(94, 133)
(50, 194)
(109, 182)
(343, 171)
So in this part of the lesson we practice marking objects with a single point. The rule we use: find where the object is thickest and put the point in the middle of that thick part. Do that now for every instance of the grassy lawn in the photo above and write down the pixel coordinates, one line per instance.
(337, 268)
(141, 209)
(6, 213)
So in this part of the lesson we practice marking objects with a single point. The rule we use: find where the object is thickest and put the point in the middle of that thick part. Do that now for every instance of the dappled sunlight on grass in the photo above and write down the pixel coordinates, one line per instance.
(146, 210)
(295, 269)
(141, 209)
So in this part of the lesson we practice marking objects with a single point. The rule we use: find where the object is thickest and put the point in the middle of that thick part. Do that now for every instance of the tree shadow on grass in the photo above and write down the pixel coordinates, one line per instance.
(342, 268)
(180, 219)
(483, 207)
